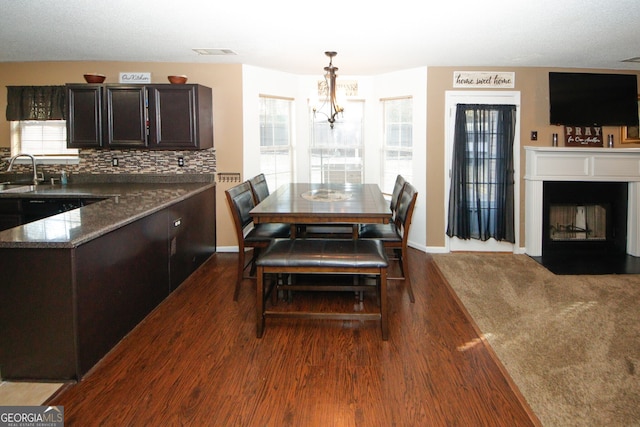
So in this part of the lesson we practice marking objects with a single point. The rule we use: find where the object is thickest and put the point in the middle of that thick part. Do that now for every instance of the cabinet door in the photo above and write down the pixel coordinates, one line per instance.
(192, 234)
(120, 277)
(180, 117)
(84, 120)
(37, 315)
(126, 116)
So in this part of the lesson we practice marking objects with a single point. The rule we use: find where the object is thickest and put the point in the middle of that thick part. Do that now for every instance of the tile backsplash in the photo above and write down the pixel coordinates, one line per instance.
(129, 161)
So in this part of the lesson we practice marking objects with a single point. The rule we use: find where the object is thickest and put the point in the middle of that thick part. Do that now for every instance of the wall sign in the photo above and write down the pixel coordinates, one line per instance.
(135, 78)
(484, 79)
(583, 136)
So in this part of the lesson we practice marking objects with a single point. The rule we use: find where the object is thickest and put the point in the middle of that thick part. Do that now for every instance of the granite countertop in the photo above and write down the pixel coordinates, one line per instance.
(124, 202)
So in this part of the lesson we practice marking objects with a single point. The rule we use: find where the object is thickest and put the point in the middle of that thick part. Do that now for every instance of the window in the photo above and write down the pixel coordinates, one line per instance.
(275, 140)
(41, 138)
(397, 157)
(37, 121)
(337, 155)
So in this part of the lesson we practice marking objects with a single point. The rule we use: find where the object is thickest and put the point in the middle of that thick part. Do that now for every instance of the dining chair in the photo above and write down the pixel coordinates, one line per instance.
(395, 234)
(395, 195)
(259, 187)
(250, 236)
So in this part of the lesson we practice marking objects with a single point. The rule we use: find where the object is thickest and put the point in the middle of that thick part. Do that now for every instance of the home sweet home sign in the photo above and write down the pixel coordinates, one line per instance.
(583, 136)
(484, 79)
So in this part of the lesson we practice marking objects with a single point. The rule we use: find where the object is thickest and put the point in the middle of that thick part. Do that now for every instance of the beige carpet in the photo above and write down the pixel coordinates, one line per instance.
(570, 343)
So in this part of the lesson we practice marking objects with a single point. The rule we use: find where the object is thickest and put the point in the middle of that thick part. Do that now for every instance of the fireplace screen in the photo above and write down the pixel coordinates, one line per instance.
(577, 222)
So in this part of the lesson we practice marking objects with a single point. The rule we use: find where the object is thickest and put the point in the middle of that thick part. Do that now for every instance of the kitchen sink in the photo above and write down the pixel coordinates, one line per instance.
(7, 187)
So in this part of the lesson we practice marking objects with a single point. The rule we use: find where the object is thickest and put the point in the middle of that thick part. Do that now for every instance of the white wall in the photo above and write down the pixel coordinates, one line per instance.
(255, 82)
(412, 83)
(371, 89)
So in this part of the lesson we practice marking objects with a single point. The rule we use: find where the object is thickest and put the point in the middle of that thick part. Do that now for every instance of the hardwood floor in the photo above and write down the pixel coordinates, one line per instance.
(196, 360)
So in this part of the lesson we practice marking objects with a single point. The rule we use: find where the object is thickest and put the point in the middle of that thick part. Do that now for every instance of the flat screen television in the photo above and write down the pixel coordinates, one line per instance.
(591, 99)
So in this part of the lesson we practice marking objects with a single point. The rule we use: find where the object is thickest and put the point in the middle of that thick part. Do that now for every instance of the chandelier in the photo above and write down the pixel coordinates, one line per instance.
(330, 85)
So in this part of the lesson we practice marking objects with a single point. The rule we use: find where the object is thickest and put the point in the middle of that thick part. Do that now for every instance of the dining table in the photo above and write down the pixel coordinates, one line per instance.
(323, 203)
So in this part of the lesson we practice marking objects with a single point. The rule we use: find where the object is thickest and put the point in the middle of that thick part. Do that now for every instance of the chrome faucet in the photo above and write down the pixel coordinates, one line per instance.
(33, 162)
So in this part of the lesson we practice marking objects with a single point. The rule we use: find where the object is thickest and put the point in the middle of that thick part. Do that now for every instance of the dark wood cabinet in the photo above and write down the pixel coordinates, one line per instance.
(180, 117)
(125, 116)
(190, 235)
(59, 321)
(120, 278)
(84, 116)
(157, 117)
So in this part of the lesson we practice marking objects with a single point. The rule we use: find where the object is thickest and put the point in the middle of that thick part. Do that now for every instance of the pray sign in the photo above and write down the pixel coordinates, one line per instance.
(583, 136)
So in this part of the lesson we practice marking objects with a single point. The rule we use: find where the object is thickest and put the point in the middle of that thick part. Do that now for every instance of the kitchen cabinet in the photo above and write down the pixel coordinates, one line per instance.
(180, 117)
(84, 116)
(190, 235)
(60, 319)
(120, 278)
(125, 116)
(155, 116)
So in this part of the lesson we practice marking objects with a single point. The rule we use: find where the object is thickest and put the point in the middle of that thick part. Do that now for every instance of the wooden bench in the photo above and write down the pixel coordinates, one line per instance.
(334, 256)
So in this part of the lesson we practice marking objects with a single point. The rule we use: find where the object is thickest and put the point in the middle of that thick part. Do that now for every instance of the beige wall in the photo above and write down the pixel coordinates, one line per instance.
(225, 81)
(534, 115)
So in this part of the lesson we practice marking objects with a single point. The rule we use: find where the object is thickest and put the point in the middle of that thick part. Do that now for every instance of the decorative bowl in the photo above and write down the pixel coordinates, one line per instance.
(94, 78)
(177, 80)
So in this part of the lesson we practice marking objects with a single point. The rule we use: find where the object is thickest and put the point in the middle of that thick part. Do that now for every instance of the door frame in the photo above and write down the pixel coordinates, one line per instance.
(452, 99)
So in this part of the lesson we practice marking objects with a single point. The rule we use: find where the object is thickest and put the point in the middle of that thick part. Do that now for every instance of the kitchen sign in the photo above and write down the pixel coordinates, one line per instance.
(484, 79)
(139, 78)
(583, 136)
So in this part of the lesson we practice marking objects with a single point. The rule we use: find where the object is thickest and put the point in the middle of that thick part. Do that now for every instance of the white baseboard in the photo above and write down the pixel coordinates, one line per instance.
(227, 249)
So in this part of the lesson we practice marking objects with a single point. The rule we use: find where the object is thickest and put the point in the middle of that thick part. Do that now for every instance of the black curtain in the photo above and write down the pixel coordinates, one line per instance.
(481, 198)
(36, 103)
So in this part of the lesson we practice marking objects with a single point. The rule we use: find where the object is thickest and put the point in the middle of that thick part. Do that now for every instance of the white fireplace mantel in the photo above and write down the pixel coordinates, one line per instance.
(579, 164)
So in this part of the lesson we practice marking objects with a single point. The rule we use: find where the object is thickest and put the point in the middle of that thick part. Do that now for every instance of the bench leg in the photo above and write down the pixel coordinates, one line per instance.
(384, 309)
(260, 302)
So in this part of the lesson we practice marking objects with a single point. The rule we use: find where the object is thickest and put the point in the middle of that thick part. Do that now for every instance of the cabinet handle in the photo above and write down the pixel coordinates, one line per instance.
(177, 222)
(146, 111)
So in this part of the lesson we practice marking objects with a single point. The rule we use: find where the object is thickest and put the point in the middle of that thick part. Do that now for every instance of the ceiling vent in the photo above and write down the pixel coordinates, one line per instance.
(214, 52)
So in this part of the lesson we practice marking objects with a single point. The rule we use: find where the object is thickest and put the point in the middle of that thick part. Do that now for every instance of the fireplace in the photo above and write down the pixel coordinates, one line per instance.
(584, 217)
(583, 204)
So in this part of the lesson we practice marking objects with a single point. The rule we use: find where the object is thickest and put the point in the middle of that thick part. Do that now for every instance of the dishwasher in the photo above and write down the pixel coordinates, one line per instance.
(35, 209)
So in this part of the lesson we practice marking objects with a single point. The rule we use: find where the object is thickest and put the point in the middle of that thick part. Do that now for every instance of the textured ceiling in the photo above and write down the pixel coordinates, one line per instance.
(371, 37)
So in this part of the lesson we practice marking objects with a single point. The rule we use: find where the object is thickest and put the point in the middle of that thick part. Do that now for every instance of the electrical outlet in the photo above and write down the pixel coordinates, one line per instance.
(114, 162)
(534, 135)
(181, 161)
